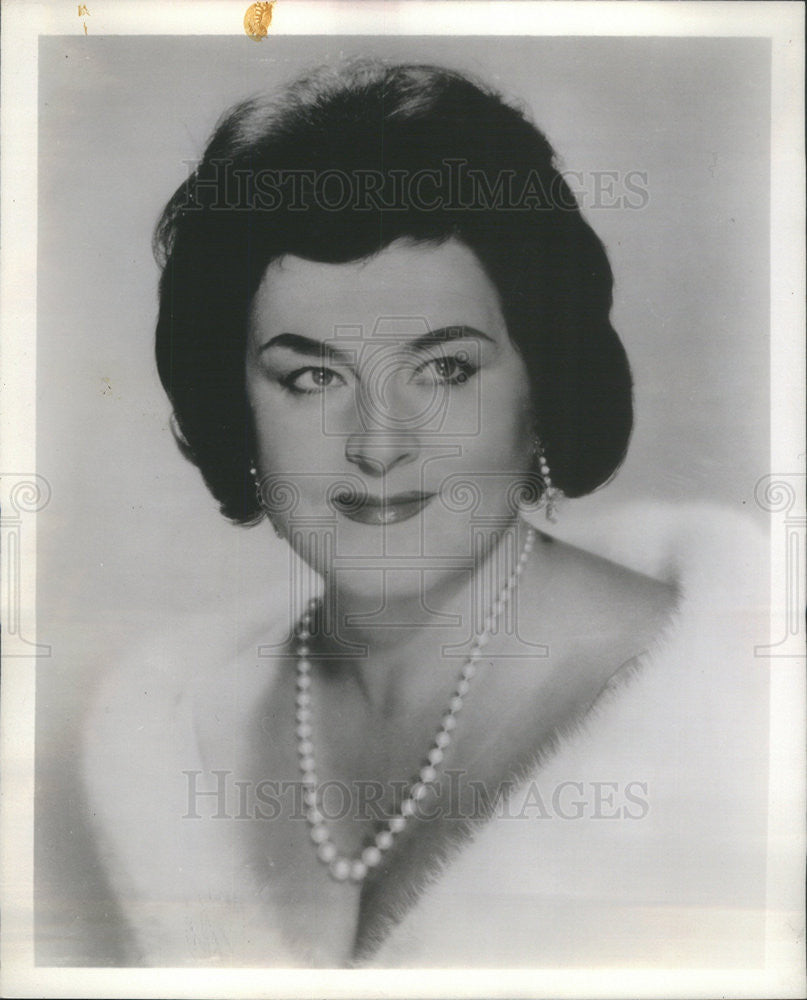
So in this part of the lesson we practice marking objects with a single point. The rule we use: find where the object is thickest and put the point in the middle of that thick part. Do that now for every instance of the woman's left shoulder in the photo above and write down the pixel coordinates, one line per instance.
(697, 670)
(593, 612)
(654, 575)
(606, 593)
(651, 550)
(665, 541)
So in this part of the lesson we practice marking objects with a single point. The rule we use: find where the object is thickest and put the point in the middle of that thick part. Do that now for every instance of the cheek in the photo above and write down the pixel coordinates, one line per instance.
(296, 461)
(287, 437)
(505, 423)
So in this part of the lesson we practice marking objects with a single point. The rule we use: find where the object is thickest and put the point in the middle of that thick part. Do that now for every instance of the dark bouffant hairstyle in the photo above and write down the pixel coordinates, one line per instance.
(336, 168)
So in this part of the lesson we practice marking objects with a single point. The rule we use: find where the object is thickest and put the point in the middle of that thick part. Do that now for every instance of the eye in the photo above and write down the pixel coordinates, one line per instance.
(306, 381)
(449, 370)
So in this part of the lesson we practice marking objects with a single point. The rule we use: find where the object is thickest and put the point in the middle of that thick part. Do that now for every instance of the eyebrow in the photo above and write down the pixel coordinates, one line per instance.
(311, 348)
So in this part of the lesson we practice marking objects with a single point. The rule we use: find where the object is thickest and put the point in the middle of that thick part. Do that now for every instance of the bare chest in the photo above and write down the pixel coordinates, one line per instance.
(364, 770)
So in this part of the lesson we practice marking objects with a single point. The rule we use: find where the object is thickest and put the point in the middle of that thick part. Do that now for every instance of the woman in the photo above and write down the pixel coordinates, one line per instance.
(384, 326)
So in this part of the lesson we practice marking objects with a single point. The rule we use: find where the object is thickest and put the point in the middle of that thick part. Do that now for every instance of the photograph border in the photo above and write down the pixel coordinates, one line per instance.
(23, 492)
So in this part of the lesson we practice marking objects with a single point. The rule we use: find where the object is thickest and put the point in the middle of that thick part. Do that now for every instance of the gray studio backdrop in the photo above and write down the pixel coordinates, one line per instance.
(670, 141)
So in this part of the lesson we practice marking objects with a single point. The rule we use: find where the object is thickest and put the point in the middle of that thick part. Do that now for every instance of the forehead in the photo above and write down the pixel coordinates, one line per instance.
(442, 285)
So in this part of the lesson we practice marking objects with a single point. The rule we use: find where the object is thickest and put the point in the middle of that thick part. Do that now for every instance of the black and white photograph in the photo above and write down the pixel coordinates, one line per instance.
(404, 523)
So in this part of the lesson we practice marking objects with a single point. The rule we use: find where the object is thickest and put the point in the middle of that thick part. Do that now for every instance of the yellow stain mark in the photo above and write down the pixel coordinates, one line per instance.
(257, 20)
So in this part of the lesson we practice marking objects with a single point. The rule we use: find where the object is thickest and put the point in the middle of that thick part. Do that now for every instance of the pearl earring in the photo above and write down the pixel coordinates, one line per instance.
(551, 496)
(253, 470)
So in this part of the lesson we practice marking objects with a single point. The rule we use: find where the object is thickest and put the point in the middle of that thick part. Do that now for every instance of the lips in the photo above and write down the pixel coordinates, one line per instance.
(366, 509)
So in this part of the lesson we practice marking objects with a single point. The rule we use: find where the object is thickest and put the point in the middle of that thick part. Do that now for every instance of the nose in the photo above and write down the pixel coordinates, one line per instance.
(387, 436)
(378, 452)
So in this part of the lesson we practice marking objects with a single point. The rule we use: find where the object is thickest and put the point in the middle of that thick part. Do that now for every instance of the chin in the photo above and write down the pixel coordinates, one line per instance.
(400, 561)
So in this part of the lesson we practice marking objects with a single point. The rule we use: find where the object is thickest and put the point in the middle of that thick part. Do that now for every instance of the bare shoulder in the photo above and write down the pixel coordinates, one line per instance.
(609, 588)
(593, 607)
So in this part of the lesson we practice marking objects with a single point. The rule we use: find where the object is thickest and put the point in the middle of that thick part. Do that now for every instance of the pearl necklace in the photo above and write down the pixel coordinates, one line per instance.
(356, 869)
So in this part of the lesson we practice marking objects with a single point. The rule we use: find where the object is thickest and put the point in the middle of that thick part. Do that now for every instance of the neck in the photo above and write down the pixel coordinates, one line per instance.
(403, 644)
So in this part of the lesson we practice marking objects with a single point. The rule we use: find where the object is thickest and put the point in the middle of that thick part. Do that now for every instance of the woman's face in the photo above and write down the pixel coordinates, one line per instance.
(391, 411)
